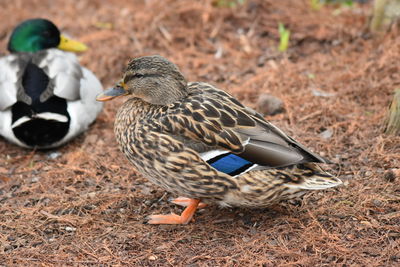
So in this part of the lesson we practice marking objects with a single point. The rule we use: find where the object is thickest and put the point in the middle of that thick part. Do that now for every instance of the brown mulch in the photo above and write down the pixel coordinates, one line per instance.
(83, 204)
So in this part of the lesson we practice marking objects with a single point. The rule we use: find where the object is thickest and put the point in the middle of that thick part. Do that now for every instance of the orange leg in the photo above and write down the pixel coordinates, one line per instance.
(184, 202)
(172, 218)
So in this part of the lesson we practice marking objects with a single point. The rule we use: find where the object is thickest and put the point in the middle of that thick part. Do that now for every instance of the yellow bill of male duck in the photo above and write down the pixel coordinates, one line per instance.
(202, 144)
(47, 98)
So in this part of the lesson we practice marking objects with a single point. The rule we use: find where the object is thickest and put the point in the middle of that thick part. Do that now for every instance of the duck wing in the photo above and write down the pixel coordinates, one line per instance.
(64, 75)
(11, 71)
(64, 72)
(227, 129)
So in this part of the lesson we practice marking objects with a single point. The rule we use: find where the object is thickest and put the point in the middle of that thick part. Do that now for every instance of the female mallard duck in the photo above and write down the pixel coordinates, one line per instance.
(198, 141)
(47, 98)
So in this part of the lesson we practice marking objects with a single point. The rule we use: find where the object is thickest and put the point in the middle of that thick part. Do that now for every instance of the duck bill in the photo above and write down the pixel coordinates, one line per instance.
(112, 93)
(71, 45)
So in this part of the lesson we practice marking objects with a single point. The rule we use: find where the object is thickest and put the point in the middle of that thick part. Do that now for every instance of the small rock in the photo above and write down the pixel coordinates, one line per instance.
(90, 182)
(220, 51)
(162, 247)
(152, 258)
(368, 173)
(89, 207)
(377, 203)
(53, 155)
(269, 105)
(366, 223)
(70, 229)
(91, 195)
(390, 175)
(272, 63)
(35, 179)
(327, 134)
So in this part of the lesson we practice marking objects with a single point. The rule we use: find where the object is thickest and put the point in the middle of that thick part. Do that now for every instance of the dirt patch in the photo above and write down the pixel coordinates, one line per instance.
(83, 204)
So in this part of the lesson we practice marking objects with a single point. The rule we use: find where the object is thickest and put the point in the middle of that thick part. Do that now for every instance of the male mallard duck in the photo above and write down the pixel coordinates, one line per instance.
(200, 142)
(47, 98)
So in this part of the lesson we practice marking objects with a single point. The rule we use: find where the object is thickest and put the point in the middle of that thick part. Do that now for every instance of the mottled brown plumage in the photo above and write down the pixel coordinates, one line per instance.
(198, 141)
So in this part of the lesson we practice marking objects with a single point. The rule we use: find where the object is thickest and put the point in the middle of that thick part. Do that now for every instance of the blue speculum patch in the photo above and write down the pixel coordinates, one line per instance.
(230, 164)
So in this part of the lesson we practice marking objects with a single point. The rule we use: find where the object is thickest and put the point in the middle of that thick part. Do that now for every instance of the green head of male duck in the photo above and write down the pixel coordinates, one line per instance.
(153, 79)
(37, 34)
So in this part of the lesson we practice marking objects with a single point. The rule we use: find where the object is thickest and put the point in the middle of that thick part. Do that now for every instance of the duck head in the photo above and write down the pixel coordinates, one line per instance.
(37, 34)
(153, 79)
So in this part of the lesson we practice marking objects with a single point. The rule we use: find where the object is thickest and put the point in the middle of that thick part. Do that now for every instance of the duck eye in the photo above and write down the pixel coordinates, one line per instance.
(129, 77)
(137, 75)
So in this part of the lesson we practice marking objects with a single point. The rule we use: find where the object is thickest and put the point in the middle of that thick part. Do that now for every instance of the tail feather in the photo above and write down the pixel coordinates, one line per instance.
(317, 183)
(313, 178)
